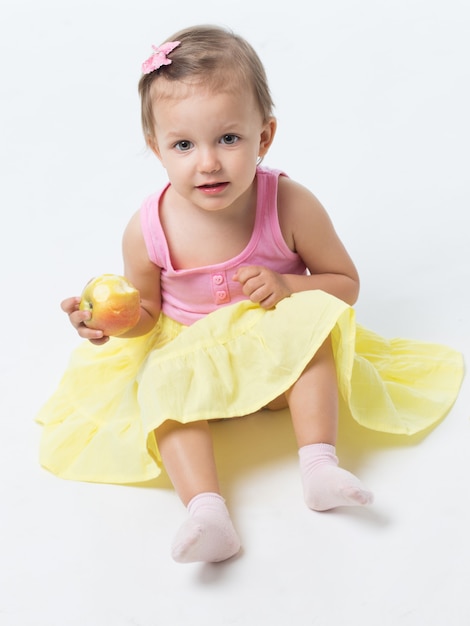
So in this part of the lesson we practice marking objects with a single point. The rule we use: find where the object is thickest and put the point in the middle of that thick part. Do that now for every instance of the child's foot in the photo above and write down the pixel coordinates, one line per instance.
(327, 486)
(208, 535)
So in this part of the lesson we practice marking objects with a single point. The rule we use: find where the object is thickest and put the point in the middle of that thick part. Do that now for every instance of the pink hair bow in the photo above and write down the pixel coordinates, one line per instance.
(159, 57)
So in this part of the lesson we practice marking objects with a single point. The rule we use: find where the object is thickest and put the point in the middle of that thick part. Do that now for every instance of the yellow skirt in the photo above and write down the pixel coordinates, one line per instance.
(99, 424)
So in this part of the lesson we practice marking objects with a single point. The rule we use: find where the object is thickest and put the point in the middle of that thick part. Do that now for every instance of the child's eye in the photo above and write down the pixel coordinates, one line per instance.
(183, 145)
(230, 139)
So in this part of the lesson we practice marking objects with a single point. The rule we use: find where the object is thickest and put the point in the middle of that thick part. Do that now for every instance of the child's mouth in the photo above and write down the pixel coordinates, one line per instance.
(213, 187)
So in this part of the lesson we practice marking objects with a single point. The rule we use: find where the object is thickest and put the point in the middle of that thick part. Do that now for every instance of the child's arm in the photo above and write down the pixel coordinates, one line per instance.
(142, 273)
(307, 230)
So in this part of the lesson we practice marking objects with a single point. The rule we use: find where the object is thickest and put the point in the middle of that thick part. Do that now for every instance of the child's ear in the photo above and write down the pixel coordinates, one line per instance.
(152, 144)
(267, 136)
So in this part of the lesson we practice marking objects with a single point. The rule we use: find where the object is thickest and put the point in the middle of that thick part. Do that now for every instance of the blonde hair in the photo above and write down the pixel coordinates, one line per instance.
(211, 57)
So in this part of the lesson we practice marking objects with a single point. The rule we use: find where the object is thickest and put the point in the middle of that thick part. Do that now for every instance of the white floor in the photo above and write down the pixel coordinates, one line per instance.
(372, 100)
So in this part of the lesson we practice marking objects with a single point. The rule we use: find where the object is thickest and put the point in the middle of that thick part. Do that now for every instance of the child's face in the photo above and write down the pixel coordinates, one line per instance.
(209, 144)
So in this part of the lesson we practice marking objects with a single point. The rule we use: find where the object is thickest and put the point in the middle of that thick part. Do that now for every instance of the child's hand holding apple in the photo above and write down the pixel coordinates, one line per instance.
(108, 307)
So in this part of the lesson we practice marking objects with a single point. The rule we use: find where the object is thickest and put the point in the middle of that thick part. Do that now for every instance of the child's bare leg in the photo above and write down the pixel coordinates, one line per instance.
(313, 404)
(188, 457)
(187, 453)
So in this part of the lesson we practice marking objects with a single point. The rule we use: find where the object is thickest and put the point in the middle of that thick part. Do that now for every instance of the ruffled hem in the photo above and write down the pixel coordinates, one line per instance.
(99, 425)
(401, 386)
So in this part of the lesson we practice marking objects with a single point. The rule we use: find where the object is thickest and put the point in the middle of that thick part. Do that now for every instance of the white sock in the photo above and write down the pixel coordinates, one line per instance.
(326, 485)
(208, 534)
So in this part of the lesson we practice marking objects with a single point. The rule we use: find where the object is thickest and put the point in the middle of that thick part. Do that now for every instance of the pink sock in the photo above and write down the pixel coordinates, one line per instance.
(208, 534)
(326, 485)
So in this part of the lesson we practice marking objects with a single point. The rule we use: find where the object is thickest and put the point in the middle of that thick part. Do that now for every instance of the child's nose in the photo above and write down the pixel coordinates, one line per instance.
(208, 161)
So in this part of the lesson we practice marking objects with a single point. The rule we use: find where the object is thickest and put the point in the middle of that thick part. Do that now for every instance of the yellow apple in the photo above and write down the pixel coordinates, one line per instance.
(113, 302)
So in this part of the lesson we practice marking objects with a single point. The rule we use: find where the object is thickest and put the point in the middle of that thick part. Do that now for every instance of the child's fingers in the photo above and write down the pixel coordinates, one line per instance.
(69, 305)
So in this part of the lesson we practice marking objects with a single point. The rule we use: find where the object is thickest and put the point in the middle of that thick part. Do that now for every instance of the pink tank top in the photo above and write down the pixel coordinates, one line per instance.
(190, 294)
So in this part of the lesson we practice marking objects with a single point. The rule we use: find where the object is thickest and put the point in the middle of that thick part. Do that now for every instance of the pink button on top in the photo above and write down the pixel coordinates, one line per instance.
(220, 289)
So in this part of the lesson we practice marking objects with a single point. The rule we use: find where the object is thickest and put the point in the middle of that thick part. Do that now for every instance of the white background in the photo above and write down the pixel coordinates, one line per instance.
(372, 101)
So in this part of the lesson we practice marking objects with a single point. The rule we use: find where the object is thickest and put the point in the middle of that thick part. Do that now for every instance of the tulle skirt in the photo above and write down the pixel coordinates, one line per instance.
(99, 424)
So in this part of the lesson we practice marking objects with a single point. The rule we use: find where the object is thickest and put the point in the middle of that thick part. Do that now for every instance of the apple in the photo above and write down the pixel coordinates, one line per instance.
(114, 304)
